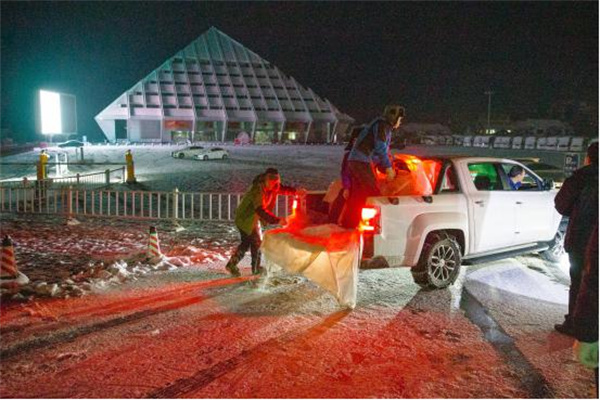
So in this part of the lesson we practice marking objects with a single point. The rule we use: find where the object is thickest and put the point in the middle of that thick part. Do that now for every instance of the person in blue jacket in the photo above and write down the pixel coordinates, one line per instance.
(370, 150)
(515, 177)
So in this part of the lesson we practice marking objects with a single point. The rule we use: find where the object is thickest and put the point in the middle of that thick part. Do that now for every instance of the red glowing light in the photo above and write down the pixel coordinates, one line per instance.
(369, 220)
(368, 213)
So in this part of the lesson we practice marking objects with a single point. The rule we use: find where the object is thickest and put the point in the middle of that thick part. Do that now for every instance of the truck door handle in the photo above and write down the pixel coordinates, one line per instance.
(519, 202)
(480, 202)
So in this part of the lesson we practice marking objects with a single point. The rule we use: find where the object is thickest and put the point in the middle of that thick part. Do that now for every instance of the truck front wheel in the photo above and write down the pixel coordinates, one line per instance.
(439, 264)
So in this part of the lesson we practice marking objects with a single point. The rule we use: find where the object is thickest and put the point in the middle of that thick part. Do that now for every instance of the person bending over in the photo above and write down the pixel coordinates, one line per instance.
(257, 205)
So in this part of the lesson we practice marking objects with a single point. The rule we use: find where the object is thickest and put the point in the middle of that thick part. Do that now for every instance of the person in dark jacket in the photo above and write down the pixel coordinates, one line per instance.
(585, 312)
(257, 205)
(578, 199)
(370, 150)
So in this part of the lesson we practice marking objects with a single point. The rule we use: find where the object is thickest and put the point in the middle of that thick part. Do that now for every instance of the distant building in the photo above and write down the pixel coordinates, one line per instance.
(544, 127)
(425, 128)
(528, 127)
(216, 89)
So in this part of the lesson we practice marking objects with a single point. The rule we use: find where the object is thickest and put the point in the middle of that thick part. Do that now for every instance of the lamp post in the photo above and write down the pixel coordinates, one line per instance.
(489, 93)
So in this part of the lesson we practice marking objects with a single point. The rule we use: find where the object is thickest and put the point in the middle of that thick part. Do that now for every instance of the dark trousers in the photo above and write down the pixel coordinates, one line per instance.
(577, 262)
(251, 241)
(363, 184)
(337, 207)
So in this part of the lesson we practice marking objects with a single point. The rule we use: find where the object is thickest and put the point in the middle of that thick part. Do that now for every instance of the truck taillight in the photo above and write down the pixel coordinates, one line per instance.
(370, 220)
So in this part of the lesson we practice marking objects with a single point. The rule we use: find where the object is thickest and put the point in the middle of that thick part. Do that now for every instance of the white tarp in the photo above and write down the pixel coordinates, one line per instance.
(328, 255)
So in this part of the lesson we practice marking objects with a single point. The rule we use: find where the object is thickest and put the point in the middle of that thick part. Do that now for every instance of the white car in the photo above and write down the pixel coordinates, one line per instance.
(212, 154)
(201, 153)
(187, 152)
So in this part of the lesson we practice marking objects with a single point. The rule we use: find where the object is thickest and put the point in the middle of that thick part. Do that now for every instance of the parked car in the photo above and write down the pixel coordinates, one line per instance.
(190, 151)
(546, 171)
(212, 153)
(71, 143)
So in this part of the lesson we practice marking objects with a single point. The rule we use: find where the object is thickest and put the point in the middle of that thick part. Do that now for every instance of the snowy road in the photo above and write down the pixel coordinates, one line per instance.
(195, 332)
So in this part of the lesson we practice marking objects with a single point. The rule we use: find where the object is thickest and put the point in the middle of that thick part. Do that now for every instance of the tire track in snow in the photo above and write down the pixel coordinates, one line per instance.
(531, 379)
(73, 334)
(119, 305)
(186, 386)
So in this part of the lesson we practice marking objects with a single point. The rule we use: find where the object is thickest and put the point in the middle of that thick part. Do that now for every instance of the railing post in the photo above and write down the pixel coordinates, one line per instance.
(107, 177)
(70, 201)
(175, 204)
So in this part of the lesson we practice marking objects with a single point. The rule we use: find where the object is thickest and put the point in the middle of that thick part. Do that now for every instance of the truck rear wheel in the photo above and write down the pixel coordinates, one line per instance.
(439, 264)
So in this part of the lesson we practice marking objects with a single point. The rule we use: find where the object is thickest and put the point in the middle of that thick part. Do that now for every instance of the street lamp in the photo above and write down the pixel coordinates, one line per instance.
(489, 93)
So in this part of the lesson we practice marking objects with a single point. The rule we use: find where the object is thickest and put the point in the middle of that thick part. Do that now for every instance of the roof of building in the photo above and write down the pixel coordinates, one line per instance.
(217, 78)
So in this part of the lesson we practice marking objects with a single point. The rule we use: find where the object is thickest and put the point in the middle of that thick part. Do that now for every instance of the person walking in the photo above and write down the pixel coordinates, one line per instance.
(257, 205)
(370, 150)
(578, 200)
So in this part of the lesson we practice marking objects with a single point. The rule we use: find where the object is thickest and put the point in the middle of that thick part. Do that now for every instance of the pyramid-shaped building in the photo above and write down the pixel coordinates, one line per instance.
(217, 90)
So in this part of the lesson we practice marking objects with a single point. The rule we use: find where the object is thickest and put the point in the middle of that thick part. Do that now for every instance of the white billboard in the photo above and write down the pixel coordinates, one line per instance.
(57, 113)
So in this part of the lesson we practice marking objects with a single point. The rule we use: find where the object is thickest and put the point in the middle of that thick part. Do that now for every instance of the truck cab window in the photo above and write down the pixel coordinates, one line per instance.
(522, 179)
(485, 176)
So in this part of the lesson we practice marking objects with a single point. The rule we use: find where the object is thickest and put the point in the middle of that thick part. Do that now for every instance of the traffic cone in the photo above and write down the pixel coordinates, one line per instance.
(8, 267)
(153, 245)
(11, 279)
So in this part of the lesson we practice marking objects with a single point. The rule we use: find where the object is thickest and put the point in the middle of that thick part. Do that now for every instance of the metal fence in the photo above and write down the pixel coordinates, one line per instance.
(190, 206)
(88, 181)
(104, 178)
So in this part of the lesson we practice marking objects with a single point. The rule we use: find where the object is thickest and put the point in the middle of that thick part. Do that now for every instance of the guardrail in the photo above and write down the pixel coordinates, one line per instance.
(88, 181)
(176, 205)
(92, 179)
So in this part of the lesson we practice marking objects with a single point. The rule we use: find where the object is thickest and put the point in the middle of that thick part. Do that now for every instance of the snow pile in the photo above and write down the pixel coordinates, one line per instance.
(97, 254)
(506, 276)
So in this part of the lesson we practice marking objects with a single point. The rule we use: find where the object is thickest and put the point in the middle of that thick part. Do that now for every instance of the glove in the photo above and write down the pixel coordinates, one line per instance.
(587, 353)
(390, 174)
(283, 221)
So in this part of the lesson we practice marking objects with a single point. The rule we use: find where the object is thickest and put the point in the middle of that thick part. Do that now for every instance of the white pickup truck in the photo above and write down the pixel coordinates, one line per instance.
(472, 213)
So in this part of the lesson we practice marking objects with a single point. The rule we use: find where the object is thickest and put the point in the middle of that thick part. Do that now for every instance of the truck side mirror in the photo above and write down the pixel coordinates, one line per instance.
(548, 184)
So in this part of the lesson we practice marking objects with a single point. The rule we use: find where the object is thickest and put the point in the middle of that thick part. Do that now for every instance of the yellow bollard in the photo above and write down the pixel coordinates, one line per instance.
(42, 166)
(130, 167)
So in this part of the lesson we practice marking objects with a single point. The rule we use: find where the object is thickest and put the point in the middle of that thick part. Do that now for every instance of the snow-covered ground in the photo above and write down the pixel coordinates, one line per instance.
(183, 328)
(312, 166)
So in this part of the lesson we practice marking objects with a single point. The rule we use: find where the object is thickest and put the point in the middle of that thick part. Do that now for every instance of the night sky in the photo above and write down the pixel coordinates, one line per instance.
(437, 59)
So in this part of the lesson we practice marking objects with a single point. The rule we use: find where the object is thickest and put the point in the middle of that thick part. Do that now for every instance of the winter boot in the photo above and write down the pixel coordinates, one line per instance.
(257, 270)
(232, 268)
